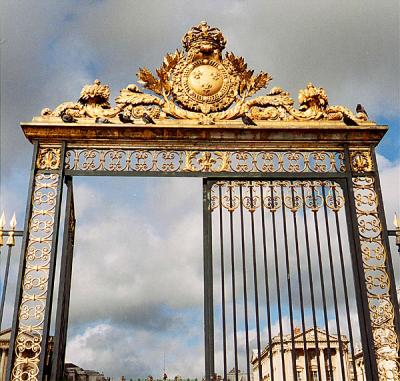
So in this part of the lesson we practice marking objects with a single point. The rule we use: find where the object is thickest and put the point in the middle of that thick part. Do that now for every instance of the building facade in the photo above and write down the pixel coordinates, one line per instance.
(315, 359)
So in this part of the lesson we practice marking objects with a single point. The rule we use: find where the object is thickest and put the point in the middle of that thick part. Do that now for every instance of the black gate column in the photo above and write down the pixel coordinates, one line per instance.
(32, 309)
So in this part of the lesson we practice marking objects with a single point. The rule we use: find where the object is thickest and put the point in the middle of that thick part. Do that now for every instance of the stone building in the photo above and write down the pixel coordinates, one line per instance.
(312, 355)
(75, 373)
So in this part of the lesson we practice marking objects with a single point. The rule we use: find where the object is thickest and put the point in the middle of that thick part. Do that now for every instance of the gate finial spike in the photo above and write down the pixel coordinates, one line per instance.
(396, 221)
(13, 224)
(2, 223)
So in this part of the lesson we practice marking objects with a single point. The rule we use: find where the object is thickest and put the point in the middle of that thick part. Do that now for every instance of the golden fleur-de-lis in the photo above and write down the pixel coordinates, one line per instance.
(206, 161)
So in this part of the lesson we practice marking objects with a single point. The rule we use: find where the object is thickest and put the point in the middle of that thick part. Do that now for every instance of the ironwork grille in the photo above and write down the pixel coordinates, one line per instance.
(284, 303)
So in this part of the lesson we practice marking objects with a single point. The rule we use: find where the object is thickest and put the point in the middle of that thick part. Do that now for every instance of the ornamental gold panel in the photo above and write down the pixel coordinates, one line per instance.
(361, 161)
(173, 161)
(201, 83)
(48, 158)
(29, 337)
(377, 280)
(271, 198)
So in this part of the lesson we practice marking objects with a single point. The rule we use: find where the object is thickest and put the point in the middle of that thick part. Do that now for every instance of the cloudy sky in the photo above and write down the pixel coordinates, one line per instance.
(142, 236)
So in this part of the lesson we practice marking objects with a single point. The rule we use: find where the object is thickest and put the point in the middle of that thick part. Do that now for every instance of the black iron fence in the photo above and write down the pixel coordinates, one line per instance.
(7, 245)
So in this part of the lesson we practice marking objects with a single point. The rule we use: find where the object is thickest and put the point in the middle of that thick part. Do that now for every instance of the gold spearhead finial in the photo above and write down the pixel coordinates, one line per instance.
(2, 223)
(13, 224)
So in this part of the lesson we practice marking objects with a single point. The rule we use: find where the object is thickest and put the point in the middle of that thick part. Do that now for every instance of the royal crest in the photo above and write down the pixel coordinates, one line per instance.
(200, 83)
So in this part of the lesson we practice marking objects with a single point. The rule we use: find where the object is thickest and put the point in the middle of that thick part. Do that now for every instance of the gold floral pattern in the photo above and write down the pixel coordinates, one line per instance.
(48, 158)
(29, 337)
(199, 83)
(375, 262)
(145, 160)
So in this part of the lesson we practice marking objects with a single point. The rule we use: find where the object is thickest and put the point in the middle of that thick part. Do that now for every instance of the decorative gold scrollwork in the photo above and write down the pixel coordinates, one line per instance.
(48, 158)
(276, 194)
(375, 262)
(199, 83)
(361, 161)
(144, 160)
(28, 342)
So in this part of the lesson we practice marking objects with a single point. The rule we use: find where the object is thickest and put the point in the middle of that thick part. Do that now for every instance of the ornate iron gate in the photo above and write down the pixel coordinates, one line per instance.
(281, 251)
(290, 195)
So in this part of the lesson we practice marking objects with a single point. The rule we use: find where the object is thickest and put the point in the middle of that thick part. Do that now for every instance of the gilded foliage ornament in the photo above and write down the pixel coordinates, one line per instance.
(200, 83)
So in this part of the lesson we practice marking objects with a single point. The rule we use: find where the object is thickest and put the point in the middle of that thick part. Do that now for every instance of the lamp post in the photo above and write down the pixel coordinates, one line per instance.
(396, 231)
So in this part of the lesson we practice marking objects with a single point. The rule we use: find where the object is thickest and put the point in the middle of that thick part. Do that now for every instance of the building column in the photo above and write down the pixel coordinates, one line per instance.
(321, 360)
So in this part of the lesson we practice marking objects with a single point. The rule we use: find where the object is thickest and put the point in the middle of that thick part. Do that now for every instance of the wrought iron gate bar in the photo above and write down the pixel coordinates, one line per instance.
(288, 280)
(300, 285)
(311, 284)
(267, 286)
(256, 303)
(244, 279)
(221, 235)
(344, 280)
(234, 318)
(333, 283)
(314, 210)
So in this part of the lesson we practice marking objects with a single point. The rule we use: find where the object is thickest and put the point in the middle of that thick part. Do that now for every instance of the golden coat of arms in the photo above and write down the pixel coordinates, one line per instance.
(200, 83)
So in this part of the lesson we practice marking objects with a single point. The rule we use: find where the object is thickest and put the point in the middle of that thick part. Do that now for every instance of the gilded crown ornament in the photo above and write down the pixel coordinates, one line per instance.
(200, 83)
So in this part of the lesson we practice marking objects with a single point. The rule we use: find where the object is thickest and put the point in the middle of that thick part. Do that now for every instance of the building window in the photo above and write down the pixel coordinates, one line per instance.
(299, 378)
(315, 375)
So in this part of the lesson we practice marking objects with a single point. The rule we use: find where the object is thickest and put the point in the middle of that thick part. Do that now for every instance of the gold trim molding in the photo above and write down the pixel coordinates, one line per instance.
(201, 83)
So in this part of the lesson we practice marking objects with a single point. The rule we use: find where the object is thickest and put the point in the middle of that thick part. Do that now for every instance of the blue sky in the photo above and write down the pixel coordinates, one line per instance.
(50, 49)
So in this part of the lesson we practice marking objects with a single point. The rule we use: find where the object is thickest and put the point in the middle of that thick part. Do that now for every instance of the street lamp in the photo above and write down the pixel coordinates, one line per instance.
(396, 232)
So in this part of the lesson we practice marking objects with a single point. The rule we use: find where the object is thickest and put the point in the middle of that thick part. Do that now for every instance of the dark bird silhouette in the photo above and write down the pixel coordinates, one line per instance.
(349, 121)
(147, 119)
(248, 121)
(361, 109)
(66, 118)
(124, 118)
(102, 120)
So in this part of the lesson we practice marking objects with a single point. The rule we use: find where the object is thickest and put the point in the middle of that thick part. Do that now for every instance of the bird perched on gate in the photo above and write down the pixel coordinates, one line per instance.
(67, 118)
(125, 118)
(102, 120)
(361, 109)
(349, 121)
(147, 118)
(248, 121)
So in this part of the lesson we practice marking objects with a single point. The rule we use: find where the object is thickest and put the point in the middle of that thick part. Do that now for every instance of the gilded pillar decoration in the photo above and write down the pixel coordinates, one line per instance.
(32, 314)
(48, 158)
(361, 161)
(31, 317)
(377, 279)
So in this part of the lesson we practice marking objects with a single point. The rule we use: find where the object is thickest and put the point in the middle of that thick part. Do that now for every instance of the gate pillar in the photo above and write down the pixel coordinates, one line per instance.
(31, 320)
(374, 251)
